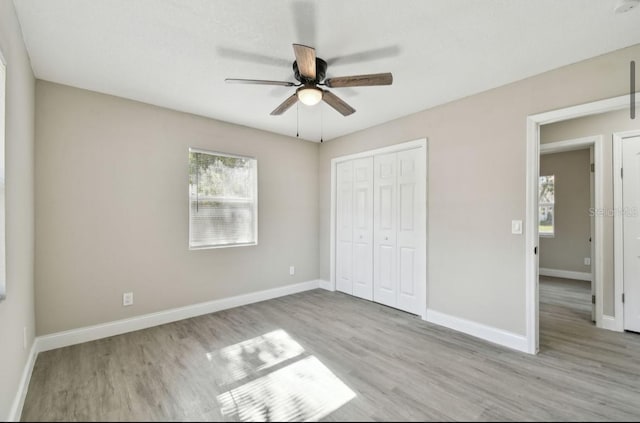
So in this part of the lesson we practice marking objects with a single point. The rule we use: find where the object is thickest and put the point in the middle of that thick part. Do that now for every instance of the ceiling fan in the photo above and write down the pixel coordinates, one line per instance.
(310, 71)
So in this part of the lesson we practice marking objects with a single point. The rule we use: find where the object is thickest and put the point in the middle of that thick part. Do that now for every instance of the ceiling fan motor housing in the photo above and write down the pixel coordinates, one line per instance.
(321, 72)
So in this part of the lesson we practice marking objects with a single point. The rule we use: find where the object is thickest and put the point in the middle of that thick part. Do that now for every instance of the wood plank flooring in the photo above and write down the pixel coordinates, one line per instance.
(329, 356)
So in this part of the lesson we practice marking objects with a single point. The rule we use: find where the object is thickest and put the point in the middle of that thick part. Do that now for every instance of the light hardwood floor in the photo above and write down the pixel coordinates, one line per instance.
(331, 356)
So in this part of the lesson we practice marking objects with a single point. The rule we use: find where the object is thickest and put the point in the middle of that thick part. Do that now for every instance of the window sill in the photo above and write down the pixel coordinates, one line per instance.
(215, 247)
(546, 235)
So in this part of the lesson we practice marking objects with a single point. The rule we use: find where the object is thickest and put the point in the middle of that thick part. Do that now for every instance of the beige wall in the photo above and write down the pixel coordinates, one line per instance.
(477, 183)
(569, 246)
(17, 312)
(87, 141)
(112, 210)
(604, 124)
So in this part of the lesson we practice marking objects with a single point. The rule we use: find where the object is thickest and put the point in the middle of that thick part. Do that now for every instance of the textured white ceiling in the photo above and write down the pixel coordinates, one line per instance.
(176, 53)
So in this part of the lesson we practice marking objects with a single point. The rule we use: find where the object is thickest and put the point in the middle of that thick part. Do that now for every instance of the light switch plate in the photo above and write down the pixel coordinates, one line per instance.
(516, 227)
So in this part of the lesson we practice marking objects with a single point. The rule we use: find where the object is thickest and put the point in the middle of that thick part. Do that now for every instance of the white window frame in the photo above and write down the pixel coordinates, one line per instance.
(553, 208)
(255, 206)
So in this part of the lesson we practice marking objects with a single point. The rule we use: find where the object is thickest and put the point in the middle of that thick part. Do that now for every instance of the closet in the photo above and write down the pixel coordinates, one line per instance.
(380, 224)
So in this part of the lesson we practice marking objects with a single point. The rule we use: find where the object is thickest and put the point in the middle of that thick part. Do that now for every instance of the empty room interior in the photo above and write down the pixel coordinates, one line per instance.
(310, 210)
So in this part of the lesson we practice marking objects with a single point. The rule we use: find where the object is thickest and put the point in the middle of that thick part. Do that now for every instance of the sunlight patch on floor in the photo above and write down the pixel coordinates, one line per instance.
(303, 391)
(240, 360)
(272, 378)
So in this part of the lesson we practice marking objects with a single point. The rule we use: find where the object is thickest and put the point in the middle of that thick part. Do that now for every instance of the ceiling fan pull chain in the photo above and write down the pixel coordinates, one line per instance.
(297, 120)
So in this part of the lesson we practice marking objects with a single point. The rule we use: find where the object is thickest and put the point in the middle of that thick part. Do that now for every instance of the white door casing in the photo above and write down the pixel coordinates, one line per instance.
(592, 230)
(631, 231)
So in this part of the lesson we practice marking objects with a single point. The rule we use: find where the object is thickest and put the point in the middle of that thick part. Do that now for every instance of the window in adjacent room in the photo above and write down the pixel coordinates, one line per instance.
(546, 204)
(3, 248)
(223, 200)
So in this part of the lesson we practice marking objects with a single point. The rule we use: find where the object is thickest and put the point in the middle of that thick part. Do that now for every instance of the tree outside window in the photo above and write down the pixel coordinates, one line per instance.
(546, 204)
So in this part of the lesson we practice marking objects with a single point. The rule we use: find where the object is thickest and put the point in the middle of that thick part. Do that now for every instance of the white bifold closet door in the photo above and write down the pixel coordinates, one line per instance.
(354, 255)
(381, 227)
(398, 247)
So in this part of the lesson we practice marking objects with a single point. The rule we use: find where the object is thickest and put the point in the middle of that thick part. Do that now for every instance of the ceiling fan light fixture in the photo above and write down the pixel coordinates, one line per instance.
(309, 95)
(310, 71)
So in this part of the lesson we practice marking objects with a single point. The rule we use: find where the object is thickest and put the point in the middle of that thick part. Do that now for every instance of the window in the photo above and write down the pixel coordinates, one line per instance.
(223, 200)
(546, 204)
(3, 269)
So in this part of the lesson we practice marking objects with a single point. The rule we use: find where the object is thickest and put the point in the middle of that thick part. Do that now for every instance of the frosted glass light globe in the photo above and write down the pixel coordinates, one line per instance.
(309, 95)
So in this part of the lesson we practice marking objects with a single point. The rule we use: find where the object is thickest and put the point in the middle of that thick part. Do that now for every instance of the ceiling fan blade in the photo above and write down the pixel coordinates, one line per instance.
(251, 57)
(360, 80)
(306, 59)
(367, 55)
(305, 19)
(337, 103)
(258, 82)
(285, 105)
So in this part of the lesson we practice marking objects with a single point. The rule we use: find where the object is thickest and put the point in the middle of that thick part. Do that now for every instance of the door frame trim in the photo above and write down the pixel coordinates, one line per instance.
(618, 233)
(532, 174)
(597, 142)
(419, 143)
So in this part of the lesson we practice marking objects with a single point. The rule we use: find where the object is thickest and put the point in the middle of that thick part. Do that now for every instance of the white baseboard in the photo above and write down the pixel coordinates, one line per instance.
(91, 333)
(610, 323)
(488, 333)
(566, 274)
(326, 285)
(21, 394)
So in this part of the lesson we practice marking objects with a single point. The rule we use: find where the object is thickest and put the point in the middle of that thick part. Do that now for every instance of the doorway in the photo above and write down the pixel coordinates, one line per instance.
(611, 320)
(567, 231)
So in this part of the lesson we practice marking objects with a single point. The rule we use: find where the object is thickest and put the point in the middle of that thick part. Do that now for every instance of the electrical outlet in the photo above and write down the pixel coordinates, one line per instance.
(587, 261)
(127, 299)
(292, 270)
